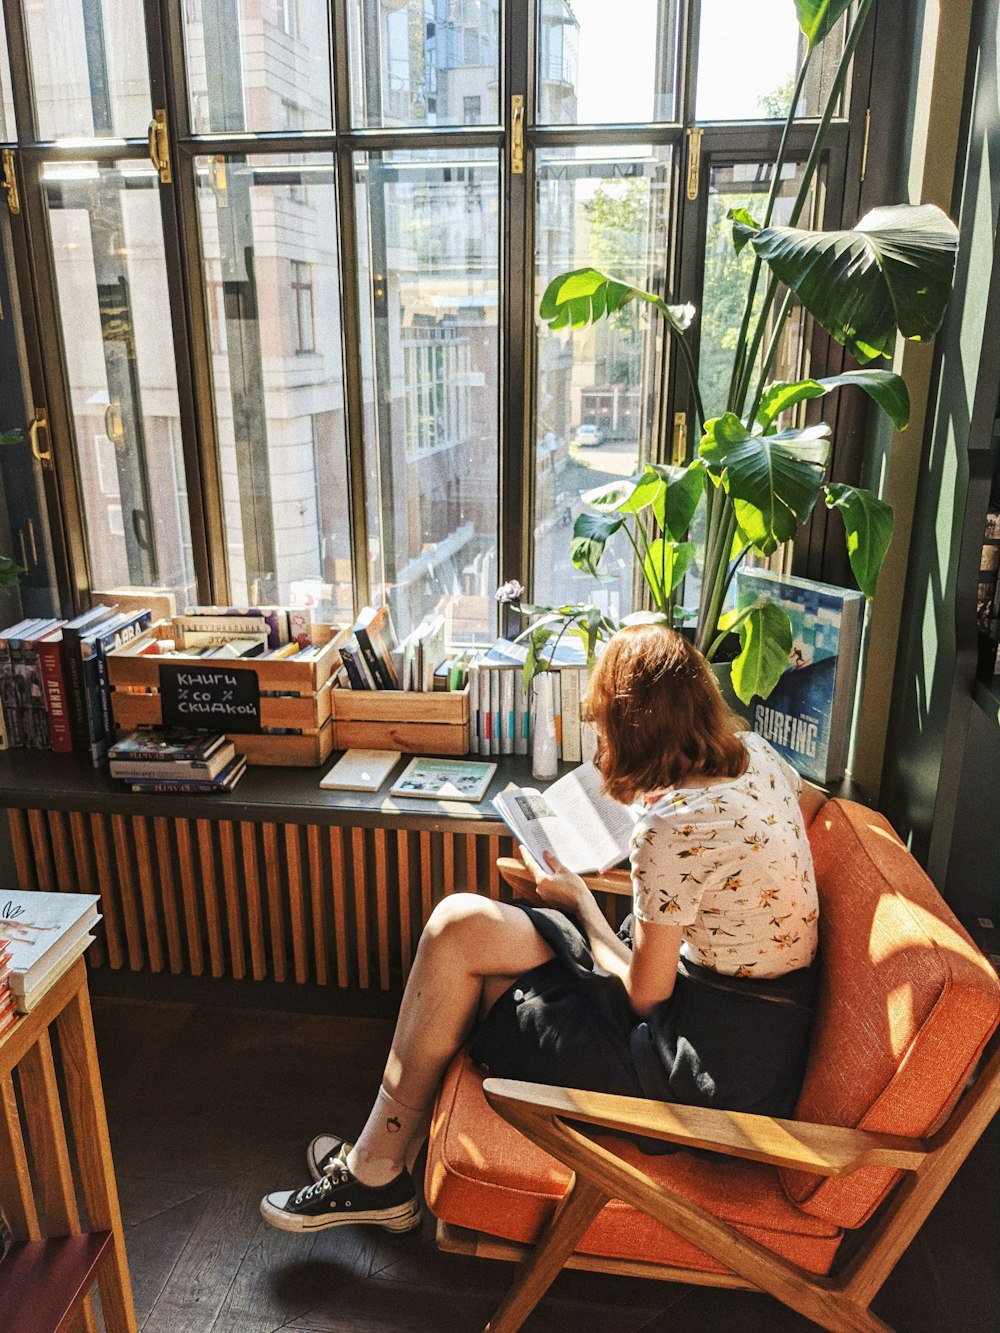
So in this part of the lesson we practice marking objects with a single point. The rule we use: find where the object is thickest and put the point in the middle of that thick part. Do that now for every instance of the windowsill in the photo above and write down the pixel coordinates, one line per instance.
(40, 780)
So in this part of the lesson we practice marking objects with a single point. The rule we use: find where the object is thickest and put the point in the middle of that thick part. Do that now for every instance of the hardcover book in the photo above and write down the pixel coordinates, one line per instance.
(42, 930)
(169, 745)
(444, 779)
(807, 717)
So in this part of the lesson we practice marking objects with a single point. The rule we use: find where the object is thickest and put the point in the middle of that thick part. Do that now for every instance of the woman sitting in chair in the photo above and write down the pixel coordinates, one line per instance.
(703, 997)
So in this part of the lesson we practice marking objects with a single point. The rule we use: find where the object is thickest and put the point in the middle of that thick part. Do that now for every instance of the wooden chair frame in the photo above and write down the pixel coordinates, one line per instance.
(837, 1303)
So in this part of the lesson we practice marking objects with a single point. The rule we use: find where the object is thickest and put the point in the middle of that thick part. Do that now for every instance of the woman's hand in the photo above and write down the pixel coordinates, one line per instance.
(554, 884)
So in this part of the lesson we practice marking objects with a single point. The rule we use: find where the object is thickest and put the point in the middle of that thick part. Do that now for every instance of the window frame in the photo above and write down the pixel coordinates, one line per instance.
(847, 189)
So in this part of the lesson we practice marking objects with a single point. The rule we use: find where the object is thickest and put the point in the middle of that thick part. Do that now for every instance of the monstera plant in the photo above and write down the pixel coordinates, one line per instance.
(757, 473)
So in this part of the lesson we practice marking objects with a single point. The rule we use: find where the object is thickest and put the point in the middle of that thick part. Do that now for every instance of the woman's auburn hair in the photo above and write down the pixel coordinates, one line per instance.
(659, 714)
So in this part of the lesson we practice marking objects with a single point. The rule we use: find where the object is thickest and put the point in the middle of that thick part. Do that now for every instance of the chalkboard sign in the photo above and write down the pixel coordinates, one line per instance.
(214, 698)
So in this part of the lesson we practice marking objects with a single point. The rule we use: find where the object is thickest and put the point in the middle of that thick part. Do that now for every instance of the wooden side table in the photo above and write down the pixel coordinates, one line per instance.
(67, 1236)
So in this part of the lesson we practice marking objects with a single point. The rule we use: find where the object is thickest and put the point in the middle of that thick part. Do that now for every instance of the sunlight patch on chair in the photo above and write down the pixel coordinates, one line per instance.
(899, 1013)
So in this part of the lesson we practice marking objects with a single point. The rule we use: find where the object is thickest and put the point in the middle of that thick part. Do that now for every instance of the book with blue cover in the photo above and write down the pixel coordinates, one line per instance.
(807, 717)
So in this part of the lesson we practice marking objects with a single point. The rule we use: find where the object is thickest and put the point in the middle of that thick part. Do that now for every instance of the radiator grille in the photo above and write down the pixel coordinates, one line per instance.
(289, 902)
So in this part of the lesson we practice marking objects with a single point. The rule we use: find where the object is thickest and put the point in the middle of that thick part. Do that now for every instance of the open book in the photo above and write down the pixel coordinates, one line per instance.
(574, 820)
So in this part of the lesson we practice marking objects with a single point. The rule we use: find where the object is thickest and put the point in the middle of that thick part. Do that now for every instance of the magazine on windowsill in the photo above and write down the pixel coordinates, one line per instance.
(574, 820)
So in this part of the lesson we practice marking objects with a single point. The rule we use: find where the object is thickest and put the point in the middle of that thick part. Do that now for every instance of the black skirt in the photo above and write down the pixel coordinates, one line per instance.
(735, 1043)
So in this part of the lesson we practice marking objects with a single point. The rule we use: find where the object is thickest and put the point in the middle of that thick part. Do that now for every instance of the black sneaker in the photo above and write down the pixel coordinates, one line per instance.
(323, 1152)
(337, 1199)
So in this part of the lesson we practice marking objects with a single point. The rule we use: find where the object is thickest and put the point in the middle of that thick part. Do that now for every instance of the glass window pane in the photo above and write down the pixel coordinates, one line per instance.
(425, 62)
(89, 70)
(743, 185)
(8, 133)
(595, 388)
(269, 243)
(113, 305)
(761, 40)
(258, 65)
(594, 68)
(429, 277)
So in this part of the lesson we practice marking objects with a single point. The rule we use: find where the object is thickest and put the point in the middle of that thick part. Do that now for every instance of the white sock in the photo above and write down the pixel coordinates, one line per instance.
(381, 1150)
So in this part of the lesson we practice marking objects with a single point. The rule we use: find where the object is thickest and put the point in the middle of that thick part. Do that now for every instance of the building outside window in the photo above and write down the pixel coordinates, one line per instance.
(432, 251)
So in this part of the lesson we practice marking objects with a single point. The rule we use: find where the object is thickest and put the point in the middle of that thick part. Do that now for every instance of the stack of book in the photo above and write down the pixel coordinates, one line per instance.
(499, 704)
(8, 1013)
(177, 760)
(43, 934)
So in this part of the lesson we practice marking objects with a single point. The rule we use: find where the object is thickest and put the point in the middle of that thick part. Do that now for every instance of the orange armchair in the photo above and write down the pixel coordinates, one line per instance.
(907, 1007)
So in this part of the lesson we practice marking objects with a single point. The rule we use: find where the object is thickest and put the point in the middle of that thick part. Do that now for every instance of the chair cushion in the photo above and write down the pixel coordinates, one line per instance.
(483, 1174)
(906, 1004)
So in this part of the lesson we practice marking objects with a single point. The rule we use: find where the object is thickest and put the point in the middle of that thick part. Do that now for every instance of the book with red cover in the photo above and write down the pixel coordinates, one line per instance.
(50, 660)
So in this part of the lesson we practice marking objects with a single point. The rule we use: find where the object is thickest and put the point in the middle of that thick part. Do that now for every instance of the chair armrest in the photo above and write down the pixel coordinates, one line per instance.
(520, 879)
(828, 1150)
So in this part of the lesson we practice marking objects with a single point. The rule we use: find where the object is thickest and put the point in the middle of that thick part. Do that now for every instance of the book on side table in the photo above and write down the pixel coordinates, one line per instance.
(42, 934)
(582, 827)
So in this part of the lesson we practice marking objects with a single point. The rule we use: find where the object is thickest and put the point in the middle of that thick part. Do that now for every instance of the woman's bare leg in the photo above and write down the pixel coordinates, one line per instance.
(467, 942)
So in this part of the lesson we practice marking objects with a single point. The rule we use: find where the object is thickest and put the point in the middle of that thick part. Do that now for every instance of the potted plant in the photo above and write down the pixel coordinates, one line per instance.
(759, 478)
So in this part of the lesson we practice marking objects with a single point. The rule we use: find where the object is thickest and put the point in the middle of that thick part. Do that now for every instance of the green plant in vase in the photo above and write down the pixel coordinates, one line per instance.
(760, 479)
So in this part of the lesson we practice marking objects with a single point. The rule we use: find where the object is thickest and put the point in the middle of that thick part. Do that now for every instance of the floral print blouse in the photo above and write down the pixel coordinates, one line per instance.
(731, 863)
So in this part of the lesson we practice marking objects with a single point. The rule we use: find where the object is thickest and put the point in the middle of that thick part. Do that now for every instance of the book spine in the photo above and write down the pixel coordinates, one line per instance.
(376, 666)
(473, 708)
(169, 770)
(107, 645)
(8, 696)
(989, 564)
(485, 716)
(507, 710)
(494, 710)
(96, 744)
(557, 711)
(76, 697)
(179, 788)
(569, 684)
(522, 714)
(350, 655)
(56, 697)
(30, 694)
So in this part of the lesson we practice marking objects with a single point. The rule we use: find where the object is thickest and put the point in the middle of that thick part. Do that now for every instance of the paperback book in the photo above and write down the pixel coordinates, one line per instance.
(444, 779)
(574, 819)
(807, 717)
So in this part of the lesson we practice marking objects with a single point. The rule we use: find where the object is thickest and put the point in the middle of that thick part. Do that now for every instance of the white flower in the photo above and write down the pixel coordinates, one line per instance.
(511, 591)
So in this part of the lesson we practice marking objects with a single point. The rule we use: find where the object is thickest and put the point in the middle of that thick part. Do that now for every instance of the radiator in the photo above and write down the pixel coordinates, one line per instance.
(301, 903)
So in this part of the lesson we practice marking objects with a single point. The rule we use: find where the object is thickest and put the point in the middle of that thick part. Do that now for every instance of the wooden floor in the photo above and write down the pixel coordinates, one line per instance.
(210, 1108)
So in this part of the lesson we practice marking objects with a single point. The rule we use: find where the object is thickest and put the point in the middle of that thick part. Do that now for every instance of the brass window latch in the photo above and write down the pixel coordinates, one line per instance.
(694, 163)
(41, 423)
(517, 135)
(678, 451)
(159, 145)
(9, 181)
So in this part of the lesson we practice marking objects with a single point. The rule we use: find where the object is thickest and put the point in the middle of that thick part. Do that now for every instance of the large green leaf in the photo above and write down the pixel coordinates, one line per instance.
(627, 495)
(745, 227)
(674, 508)
(585, 295)
(591, 533)
(868, 522)
(892, 271)
(665, 565)
(817, 17)
(765, 646)
(773, 480)
(884, 386)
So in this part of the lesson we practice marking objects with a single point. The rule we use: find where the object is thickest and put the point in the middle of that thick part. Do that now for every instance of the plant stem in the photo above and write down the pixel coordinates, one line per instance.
(721, 578)
(699, 409)
(772, 195)
(642, 564)
(812, 162)
(770, 354)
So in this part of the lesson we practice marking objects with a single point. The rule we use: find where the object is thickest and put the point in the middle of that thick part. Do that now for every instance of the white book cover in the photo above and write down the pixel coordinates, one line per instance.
(58, 967)
(494, 676)
(444, 779)
(557, 710)
(360, 770)
(474, 706)
(573, 819)
(485, 717)
(522, 714)
(40, 929)
(569, 683)
(507, 711)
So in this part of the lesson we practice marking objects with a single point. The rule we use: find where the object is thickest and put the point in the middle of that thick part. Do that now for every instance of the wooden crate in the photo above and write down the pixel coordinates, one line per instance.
(293, 695)
(415, 723)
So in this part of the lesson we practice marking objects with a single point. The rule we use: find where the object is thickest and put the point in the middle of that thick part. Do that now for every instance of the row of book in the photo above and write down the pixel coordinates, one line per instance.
(41, 936)
(500, 713)
(54, 689)
(174, 759)
(229, 632)
(373, 657)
